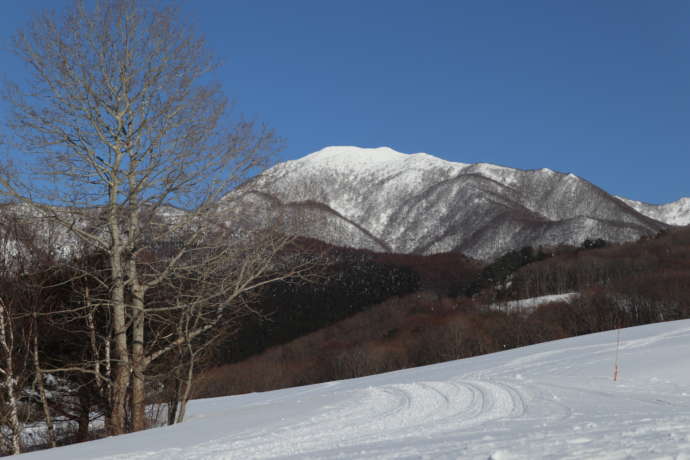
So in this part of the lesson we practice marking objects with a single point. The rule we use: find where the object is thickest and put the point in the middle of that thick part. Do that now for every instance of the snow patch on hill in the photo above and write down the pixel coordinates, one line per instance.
(534, 302)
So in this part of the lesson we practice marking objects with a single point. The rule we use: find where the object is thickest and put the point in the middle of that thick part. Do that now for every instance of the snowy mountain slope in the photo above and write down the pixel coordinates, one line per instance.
(380, 198)
(554, 400)
(675, 213)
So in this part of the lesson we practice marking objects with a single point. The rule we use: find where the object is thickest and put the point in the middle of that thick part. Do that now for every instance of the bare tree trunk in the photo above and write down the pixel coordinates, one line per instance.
(107, 387)
(173, 402)
(138, 368)
(42, 392)
(121, 369)
(9, 378)
(84, 417)
(187, 385)
(101, 369)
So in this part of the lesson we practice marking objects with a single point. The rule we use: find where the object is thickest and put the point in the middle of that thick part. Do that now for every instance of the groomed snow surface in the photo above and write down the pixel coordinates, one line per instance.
(555, 400)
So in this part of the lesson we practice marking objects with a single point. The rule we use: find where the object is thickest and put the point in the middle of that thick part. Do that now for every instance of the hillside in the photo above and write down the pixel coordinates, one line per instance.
(552, 400)
(522, 298)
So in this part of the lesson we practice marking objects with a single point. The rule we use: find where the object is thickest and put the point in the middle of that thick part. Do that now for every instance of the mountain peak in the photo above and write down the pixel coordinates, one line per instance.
(372, 159)
(352, 154)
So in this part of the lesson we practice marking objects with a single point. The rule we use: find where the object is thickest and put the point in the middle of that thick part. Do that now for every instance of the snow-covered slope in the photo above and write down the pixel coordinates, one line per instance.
(554, 400)
(675, 213)
(385, 200)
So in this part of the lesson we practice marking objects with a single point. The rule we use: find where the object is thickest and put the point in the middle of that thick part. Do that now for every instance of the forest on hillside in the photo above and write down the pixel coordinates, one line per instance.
(455, 308)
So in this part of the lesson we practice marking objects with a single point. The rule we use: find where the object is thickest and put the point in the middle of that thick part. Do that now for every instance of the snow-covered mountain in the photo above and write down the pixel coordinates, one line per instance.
(675, 213)
(554, 400)
(384, 200)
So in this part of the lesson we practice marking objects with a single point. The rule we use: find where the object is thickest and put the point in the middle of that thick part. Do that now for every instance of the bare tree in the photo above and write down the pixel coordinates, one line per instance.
(39, 385)
(10, 381)
(128, 149)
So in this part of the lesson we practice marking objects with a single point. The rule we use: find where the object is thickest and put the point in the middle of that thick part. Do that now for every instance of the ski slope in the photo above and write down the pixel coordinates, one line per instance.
(555, 400)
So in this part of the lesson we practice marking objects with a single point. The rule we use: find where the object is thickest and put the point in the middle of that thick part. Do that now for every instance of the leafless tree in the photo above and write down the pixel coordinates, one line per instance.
(10, 381)
(128, 149)
(40, 388)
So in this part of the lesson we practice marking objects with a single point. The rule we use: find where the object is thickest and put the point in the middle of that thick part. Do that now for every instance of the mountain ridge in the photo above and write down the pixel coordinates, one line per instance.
(419, 203)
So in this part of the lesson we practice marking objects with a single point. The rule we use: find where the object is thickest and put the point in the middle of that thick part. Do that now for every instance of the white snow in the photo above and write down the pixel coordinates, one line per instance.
(555, 400)
(674, 213)
(375, 161)
(534, 302)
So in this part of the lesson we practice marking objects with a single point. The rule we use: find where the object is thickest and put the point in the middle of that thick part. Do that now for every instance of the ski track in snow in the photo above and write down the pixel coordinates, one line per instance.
(555, 400)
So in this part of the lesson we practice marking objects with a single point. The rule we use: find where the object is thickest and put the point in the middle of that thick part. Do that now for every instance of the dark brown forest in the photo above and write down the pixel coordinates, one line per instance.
(446, 315)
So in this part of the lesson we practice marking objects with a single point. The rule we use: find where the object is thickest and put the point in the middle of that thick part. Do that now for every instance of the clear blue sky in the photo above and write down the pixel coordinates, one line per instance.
(597, 88)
